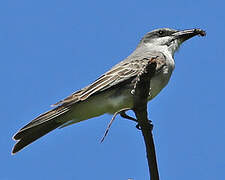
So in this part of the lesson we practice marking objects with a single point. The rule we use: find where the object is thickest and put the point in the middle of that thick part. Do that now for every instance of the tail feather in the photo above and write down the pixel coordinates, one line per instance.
(34, 133)
(39, 127)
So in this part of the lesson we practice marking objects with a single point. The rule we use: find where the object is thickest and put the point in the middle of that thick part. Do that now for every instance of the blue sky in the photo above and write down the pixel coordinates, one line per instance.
(48, 49)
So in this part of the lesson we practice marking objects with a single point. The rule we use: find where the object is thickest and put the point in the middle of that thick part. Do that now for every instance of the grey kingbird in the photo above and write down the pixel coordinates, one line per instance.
(113, 90)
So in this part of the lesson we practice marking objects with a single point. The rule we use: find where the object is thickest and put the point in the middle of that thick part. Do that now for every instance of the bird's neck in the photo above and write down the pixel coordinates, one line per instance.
(169, 51)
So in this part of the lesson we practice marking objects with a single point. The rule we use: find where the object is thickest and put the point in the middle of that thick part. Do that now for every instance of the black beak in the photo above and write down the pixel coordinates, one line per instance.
(187, 34)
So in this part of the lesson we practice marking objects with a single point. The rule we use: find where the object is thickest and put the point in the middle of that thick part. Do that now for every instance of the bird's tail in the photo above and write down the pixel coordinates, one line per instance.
(40, 126)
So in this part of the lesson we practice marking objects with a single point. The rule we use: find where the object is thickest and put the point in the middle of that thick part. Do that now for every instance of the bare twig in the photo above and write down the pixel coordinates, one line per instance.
(141, 94)
(113, 118)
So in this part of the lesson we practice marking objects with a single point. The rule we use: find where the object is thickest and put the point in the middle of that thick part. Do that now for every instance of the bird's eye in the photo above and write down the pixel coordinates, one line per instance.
(161, 32)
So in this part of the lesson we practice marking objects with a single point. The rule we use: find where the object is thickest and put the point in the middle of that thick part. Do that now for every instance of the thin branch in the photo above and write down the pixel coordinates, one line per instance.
(121, 111)
(141, 93)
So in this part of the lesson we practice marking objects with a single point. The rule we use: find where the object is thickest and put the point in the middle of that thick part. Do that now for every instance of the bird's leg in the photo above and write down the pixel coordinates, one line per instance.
(124, 115)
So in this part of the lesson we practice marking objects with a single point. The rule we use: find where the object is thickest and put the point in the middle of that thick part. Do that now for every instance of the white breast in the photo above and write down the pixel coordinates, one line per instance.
(160, 80)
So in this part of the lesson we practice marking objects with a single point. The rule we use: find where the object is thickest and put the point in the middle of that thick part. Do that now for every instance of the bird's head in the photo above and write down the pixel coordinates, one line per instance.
(169, 39)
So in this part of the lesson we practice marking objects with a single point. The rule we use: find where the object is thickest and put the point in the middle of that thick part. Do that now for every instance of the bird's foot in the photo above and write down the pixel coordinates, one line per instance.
(124, 115)
(149, 124)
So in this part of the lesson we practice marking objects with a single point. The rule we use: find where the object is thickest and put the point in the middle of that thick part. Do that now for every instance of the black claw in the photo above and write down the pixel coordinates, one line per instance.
(149, 123)
(151, 126)
(138, 126)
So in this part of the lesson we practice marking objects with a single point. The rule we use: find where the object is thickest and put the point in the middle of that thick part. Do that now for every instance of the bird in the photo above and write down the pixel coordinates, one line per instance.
(112, 91)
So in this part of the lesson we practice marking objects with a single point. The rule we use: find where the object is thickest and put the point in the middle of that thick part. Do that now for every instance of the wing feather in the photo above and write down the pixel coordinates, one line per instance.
(127, 69)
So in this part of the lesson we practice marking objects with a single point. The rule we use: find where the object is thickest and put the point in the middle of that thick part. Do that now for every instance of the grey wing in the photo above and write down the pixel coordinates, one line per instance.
(125, 70)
